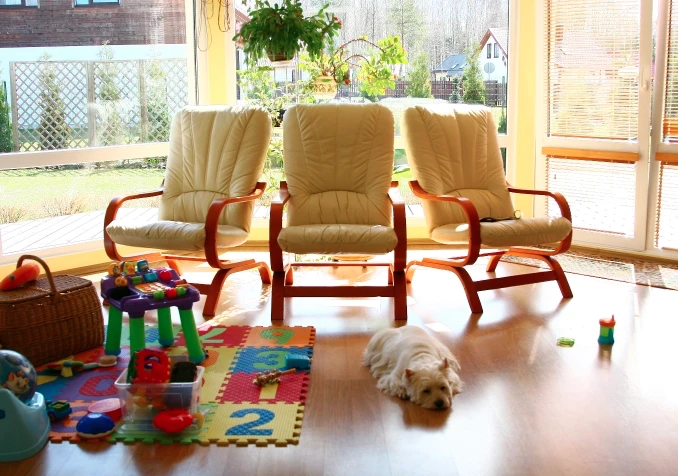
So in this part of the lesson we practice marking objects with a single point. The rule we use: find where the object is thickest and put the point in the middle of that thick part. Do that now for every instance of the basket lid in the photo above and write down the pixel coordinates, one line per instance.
(41, 288)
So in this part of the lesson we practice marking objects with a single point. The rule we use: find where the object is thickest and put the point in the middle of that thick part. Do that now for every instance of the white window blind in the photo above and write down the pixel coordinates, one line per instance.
(592, 62)
(601, 194)
(666, 234)
(670, 126)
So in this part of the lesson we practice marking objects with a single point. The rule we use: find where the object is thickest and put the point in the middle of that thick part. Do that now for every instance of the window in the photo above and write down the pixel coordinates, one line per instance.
(496, 50)
(435, 36)
(103, 109)
(19, 3)
(93, 3)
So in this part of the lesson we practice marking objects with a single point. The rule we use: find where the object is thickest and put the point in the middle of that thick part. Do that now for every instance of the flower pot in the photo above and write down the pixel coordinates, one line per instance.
(279, 60)
(324, 87)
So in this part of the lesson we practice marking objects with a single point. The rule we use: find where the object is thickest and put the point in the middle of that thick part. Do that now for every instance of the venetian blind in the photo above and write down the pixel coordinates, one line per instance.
(592, 61)
(671, 98)
(666, 233)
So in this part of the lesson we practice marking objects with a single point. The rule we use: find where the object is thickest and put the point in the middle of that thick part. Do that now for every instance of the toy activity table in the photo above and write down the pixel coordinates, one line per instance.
(134, 288)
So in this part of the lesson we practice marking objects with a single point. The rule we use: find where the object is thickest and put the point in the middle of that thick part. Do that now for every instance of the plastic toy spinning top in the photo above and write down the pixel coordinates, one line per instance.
(607, 331)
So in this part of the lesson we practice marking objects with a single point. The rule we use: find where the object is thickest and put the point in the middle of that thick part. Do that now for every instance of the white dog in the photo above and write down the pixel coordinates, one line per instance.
(409, 364)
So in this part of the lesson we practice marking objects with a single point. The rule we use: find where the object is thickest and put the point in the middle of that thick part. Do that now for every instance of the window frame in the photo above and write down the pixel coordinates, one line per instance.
(496, 50)
(489, 50)
(22, 6)
(97, 4)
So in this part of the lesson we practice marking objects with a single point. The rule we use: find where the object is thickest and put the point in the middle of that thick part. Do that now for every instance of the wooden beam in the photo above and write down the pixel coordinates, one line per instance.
(586, 154)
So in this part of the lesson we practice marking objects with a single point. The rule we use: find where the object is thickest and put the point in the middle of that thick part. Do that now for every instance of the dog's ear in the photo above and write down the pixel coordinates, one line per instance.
(444, 364)
(409, 373)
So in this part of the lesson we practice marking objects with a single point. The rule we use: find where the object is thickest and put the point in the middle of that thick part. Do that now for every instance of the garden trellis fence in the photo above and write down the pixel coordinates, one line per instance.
(72, 104)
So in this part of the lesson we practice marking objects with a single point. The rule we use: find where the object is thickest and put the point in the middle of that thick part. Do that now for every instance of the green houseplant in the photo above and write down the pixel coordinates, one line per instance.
(280, 30)
(374, 61)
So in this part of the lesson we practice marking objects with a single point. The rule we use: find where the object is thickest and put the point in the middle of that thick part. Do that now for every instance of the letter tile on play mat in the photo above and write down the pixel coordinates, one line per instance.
(260, 359)
(152, 335)
(88, 385)
(219, 359)
(263, 424)
(282, 336)
(65, 429)
(240, 389)
(216, 336)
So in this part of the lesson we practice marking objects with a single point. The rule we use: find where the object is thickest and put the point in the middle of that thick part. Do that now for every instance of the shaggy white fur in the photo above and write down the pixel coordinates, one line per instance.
(410, 364)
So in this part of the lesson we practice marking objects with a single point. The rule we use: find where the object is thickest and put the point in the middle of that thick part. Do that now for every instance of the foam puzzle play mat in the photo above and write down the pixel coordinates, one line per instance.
(250, 389)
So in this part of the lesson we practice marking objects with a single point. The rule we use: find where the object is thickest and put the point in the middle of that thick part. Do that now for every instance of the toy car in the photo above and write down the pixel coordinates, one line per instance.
(58, 410)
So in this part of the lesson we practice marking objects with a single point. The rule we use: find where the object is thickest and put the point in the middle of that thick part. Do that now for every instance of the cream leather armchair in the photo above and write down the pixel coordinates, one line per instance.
(338, 161)
(455, 159)
(216, 156)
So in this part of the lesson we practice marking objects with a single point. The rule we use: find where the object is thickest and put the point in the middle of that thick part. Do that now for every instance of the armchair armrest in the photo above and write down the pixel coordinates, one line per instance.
(116, 203)
(559, 198)
(112, 211)
(399, 226)
(564, 245)
(275, 227)
(471, 218)
(212, 220)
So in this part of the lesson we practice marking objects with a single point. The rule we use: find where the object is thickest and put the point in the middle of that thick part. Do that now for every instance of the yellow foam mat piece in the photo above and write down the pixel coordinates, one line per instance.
(256, 423)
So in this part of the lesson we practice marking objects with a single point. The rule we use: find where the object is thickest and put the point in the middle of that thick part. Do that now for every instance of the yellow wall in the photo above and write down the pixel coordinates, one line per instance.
(524, 152)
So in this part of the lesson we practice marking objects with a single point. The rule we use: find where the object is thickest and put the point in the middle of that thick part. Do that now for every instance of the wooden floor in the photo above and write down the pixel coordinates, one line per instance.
(529, 407)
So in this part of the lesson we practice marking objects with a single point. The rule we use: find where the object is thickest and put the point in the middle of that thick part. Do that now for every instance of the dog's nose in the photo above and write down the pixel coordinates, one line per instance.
(439, 403)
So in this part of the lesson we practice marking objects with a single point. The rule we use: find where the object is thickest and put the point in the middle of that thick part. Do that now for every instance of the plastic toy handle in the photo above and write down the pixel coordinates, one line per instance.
(50, 278)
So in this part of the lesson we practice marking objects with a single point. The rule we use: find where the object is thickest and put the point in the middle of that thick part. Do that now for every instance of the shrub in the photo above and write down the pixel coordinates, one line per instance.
(419, 78)
(10, 214)
(5, 128)
(65, 205)
(474, 87)
(53, 130)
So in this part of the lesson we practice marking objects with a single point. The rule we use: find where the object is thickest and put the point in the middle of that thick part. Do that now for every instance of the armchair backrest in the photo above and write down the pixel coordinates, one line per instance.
(338, 161)
(453, 150)
(215, 152)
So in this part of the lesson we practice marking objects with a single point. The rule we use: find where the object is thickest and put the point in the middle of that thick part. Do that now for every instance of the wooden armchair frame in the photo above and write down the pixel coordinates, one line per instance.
(283, 277)
(456, 264)
(224, 267)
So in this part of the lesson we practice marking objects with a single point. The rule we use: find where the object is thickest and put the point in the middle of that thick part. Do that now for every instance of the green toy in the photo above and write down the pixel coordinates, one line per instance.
(565, 341)
(607, 331)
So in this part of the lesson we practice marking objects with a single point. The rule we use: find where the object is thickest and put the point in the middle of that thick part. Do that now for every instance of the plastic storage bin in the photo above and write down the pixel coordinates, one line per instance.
(141, 402)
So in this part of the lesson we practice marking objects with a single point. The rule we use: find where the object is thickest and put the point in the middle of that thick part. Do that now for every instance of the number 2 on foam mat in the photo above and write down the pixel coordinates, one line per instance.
(250, 428)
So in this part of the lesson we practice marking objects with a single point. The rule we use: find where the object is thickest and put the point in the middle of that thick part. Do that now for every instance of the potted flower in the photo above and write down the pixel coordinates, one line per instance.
(374, 61)
(281, 30)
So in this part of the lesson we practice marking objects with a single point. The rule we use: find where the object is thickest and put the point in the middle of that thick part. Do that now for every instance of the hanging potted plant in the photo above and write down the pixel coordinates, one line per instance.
(281, 30)
(374, 60)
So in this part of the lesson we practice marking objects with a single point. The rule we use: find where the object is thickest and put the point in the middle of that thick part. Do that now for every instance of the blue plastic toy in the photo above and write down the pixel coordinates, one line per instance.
(606, 331)
(17, 375)
(297, 361)
(95, 425)
(24, 427)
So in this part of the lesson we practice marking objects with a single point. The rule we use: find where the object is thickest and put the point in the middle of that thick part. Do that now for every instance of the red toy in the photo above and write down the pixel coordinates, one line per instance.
(173, 421)
(150, 366)
(109, 406)
(29, 271)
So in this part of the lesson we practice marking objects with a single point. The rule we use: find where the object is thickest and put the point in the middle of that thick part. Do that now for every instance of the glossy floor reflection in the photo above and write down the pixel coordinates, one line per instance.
(529, 407)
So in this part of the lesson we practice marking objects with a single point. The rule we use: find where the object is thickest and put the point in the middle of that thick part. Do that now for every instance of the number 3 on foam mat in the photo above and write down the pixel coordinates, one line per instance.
(280, 336)
(272, 359)
(265, 416)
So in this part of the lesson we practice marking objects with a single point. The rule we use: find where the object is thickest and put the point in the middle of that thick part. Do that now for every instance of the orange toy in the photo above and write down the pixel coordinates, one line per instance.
(29, 271)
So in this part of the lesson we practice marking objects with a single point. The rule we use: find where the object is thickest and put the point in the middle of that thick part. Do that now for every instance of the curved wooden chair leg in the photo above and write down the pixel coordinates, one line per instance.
(265, 273)
(492, 264)
(410, 269)
(563, 284)
(174, 264)
(214, 292)
(278, 296)
(289, 276)
(469, 288)
(400, 295)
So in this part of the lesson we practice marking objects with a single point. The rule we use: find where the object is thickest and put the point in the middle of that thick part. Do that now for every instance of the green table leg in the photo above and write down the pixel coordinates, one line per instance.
(165, 327)
(196, 353)
(137, 335)
(113, 332)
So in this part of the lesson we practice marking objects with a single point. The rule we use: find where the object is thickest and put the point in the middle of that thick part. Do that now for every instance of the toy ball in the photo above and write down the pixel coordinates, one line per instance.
(95, 425)
(17, 375)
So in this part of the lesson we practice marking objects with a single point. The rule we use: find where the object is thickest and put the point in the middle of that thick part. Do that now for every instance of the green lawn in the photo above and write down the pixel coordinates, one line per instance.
(47, 192)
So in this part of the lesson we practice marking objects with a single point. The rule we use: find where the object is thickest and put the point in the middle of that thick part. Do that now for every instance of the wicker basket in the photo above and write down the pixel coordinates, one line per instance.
(51, 318)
